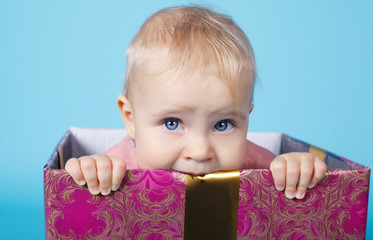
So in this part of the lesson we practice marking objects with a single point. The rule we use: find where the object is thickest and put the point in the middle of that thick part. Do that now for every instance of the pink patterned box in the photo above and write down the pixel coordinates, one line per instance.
(152, 204)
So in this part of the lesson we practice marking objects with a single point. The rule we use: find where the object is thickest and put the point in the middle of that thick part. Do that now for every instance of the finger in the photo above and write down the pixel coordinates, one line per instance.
(119, 170)
(278, 169)
(292, 177)
(88, 166)
(319, 172)
(306, 171)
(104, 170)
(73, 168)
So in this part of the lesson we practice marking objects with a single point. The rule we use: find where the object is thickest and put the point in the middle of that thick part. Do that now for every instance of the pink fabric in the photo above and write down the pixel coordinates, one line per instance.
(125, 150)
(255, 157)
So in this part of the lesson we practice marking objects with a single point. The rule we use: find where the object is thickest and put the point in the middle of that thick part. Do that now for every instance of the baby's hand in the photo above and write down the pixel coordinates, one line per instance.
(102, 173)
(295, 172)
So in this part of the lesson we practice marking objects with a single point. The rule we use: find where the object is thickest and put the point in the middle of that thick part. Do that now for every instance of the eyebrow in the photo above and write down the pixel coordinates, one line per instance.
(220, 112)
(231, 112)
(173, 110)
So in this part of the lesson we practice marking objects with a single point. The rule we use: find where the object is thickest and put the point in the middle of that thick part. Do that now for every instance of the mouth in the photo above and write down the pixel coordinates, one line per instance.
(196, 173)
(195, 169)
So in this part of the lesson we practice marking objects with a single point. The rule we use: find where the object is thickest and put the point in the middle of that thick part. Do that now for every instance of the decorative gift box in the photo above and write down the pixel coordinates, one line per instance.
(242, 204)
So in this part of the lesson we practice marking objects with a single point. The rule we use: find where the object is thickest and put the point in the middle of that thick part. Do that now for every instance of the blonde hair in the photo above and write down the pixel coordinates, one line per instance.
(194, 36)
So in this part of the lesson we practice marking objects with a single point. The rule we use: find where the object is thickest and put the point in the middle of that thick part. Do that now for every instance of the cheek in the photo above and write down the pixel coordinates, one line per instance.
(232, 154)
(153, 153)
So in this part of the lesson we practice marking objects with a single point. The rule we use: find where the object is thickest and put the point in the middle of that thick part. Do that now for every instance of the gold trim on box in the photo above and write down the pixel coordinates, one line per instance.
(317, 152)
(211, 206)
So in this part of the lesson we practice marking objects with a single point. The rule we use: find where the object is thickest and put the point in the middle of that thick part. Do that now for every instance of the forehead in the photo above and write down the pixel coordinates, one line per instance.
(159, 72)
(189, 93)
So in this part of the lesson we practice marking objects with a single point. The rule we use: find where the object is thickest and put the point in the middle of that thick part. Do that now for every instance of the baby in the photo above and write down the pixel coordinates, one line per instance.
(186, 104)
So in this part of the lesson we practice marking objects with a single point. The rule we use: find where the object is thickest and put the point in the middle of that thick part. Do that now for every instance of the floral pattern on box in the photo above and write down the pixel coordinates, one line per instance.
(335, 209)
(150, 205)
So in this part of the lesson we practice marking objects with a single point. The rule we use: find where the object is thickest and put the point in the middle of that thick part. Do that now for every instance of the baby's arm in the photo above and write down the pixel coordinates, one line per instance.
(295, 172)
(101, 173)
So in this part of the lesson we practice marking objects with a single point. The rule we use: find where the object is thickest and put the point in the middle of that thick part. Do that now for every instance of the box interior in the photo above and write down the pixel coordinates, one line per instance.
(79, 142)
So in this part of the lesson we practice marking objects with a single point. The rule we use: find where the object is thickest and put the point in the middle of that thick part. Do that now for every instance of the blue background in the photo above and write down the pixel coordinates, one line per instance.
(62, 64)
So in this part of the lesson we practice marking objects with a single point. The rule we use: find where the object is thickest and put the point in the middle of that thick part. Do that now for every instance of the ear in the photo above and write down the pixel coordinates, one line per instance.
(125, 109)
(251, 108)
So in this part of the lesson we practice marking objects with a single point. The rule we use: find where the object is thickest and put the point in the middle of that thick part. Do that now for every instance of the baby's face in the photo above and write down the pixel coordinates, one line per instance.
(190, 124)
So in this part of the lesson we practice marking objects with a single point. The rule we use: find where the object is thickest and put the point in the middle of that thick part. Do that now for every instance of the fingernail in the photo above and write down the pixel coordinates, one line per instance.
(114, 188)
(300, 195)
(312, 185)
(289, 194)
(105, 191)
(280, 188)
(81, 183)
(94, 190)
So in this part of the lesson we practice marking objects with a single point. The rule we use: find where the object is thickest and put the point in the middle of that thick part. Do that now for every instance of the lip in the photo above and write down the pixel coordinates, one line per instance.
(194, 173)
(195, 169)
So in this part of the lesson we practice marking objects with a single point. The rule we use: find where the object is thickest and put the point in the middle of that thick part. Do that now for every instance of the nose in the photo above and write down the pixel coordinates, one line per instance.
(198, 148)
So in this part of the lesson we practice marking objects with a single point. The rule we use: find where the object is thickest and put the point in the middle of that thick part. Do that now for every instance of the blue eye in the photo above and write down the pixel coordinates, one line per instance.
(223, 126)
(172, 124)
